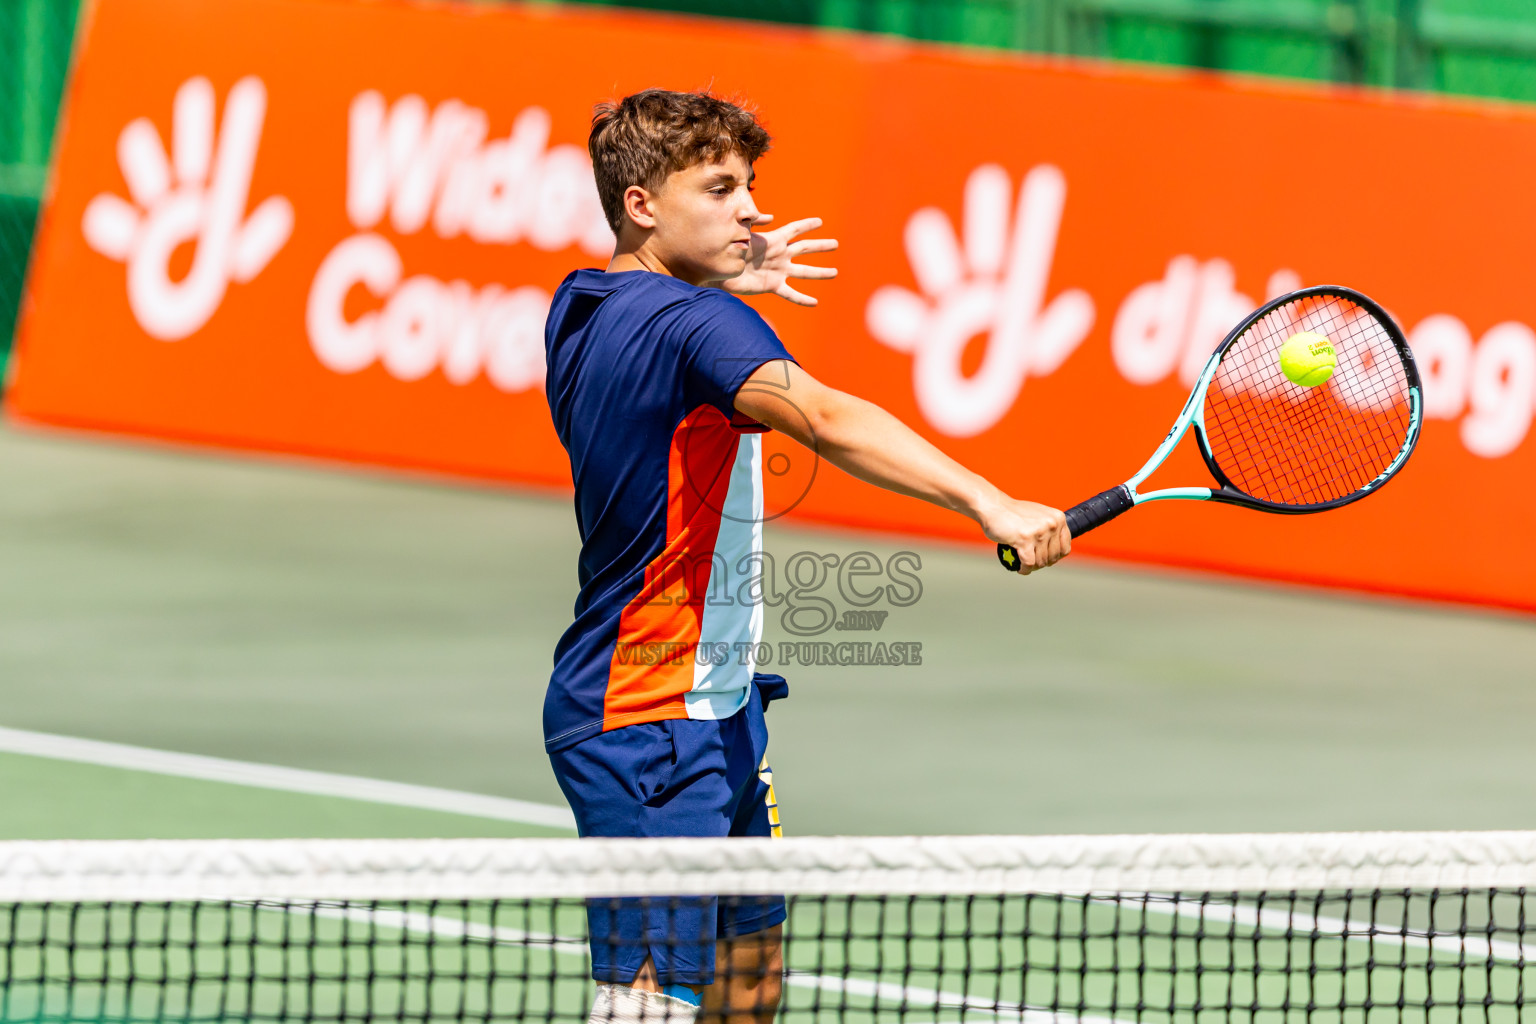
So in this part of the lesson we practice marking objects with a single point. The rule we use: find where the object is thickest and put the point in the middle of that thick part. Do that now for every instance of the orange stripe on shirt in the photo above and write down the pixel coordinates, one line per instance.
(653, 658)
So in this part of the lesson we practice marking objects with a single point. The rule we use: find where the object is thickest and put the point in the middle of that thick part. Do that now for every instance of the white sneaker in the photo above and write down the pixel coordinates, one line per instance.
(622, 1004)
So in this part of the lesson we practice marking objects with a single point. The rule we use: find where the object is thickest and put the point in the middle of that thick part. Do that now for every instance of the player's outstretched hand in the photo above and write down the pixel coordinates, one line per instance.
(771, 264)
(1037, 532)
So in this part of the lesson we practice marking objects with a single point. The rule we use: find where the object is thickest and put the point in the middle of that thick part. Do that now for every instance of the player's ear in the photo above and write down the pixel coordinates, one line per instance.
(639, 207)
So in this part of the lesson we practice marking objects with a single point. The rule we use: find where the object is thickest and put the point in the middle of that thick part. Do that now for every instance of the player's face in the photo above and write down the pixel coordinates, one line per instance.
(704, 217)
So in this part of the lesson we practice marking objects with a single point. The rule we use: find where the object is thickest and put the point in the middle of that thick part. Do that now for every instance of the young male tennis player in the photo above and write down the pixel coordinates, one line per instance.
(659, 381)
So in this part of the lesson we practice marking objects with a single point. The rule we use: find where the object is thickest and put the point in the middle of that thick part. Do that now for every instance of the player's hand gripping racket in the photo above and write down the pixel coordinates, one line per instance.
(1279, 446)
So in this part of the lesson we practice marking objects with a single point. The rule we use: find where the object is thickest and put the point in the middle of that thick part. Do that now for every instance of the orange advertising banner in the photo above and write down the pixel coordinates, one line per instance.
(333, 227)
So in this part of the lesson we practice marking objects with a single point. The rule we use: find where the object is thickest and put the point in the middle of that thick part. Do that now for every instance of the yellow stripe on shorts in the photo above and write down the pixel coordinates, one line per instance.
(772, 800)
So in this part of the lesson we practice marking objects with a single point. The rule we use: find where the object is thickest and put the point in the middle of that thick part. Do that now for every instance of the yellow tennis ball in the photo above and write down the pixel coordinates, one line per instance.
(1307, 359)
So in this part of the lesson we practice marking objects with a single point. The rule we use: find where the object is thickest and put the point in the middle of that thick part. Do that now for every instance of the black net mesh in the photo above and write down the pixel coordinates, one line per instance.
(1377, 955)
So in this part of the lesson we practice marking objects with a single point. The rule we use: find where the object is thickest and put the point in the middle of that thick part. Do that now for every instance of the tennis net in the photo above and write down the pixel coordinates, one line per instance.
(1315, 928)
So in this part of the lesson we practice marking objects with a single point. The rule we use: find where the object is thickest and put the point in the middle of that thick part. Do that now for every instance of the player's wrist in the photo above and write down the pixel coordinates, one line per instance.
(981, 501)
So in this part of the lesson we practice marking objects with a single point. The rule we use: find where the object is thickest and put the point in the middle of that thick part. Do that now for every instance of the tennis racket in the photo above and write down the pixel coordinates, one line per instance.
(1276, 446)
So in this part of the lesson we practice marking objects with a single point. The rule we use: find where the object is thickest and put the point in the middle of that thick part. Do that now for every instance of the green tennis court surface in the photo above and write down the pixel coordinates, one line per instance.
(401, 629)
(49, 799)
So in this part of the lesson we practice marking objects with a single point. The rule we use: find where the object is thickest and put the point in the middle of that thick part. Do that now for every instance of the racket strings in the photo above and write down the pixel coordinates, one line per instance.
(1294, 445)
(1301, 452)
(1304, 454)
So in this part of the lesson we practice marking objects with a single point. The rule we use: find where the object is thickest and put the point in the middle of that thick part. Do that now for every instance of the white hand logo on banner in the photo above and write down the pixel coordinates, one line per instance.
(197, 194)
(996, 284)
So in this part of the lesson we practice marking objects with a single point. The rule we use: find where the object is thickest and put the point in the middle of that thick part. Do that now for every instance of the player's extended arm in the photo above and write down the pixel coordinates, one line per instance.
(863, 439)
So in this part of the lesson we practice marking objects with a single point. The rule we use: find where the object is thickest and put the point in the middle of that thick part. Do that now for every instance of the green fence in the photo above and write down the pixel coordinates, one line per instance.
(35, 38)
(1476, 47)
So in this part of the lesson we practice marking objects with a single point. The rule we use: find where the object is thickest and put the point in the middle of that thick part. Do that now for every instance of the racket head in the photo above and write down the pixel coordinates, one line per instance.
(1282, 447)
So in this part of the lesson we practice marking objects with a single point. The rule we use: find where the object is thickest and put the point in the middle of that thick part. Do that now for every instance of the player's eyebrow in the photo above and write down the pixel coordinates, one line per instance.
(727, 178)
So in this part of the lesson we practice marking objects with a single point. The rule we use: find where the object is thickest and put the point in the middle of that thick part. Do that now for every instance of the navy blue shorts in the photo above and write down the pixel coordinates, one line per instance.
(679, 777)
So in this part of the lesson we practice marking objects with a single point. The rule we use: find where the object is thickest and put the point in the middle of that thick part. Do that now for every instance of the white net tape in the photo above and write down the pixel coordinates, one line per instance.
(318, 869)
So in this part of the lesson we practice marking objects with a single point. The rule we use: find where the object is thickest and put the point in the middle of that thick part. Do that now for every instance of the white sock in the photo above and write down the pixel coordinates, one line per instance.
(622, 1004)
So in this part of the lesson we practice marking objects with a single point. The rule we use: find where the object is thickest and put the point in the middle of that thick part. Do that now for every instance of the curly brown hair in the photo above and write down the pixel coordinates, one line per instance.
(648, 135)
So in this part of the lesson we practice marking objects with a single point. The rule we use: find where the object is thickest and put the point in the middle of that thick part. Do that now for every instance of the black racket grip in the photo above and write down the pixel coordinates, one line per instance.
(1081, 518)
(1098, 510)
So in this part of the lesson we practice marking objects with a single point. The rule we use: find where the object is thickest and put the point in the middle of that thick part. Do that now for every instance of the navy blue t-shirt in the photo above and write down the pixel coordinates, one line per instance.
(643, 371)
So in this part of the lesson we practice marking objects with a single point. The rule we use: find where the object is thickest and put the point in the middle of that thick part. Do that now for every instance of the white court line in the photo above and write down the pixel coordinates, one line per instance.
(1303, 925)
(292, 780)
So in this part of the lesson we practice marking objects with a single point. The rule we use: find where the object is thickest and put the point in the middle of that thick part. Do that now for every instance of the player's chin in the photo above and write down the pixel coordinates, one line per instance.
(729, 266)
